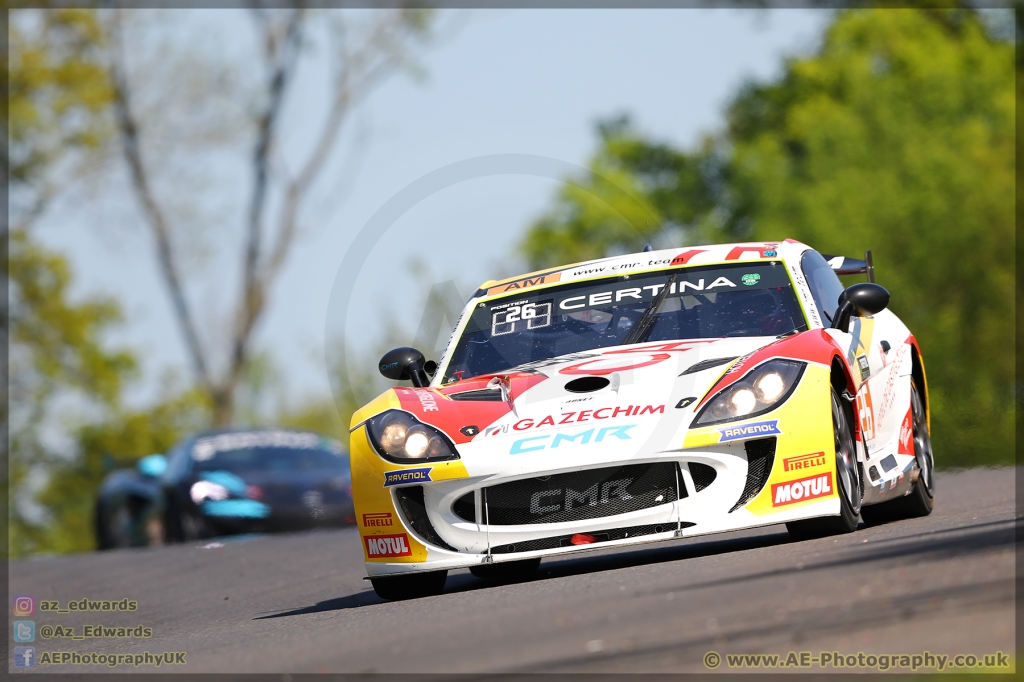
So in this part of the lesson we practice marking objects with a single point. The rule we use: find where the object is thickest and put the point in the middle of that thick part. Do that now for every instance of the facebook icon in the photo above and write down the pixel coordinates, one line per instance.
(24, 657)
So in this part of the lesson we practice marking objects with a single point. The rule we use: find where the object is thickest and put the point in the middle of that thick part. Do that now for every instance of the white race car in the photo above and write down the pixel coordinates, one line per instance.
(641, 398)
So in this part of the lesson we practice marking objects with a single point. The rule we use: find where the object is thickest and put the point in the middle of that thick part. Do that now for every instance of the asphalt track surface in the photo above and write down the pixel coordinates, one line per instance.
(298, 603)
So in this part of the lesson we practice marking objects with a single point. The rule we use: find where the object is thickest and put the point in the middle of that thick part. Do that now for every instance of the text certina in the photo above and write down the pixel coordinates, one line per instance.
(606, 297)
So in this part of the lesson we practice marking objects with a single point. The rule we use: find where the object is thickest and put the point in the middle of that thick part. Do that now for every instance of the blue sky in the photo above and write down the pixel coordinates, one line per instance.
(510, 81)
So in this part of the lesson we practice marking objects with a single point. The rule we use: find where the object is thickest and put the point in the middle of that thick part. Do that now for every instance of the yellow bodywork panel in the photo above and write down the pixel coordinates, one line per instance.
(376, 515)
(804, 450)
(385, 401)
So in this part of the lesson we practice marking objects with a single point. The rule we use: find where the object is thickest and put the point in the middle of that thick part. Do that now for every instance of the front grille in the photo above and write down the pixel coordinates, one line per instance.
(599, 536)
(410, 499)
(760, 458)
(588, 494)
(703, 475)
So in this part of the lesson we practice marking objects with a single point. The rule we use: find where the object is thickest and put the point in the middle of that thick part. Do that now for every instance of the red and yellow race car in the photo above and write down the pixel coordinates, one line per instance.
(642, 398)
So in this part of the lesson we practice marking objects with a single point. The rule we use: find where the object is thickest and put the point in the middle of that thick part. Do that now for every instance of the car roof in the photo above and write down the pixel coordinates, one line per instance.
(707, 254)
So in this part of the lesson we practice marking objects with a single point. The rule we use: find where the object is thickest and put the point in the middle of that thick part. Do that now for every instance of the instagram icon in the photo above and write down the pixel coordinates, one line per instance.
(24, 605)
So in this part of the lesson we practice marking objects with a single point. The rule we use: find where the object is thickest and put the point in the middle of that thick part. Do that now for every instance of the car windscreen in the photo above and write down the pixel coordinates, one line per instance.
(269, 451)
(747, 299)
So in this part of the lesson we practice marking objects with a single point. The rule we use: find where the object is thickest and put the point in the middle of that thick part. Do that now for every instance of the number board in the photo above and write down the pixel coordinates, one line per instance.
(520, 316)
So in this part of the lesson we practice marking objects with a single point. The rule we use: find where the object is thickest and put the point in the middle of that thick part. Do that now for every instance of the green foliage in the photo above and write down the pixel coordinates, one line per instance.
(56, 102)
(67, 384)
(606, 212)
(57, 350)
(59, 93)
(58, 342)
(120, 439)
(636, 192)
(897, 135)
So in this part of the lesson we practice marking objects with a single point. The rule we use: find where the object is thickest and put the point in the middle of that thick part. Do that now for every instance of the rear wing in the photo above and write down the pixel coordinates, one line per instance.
(851, 266)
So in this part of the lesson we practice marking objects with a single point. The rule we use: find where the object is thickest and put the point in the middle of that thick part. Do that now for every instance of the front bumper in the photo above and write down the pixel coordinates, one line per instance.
(722, 486)
(752, 480)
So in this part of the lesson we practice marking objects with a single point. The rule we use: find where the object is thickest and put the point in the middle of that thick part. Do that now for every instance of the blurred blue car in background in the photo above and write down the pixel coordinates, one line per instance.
(226, 482)
(128, 506)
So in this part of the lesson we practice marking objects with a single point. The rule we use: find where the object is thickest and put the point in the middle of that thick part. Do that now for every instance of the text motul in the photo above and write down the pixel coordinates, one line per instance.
(804, 489)
(387, 546)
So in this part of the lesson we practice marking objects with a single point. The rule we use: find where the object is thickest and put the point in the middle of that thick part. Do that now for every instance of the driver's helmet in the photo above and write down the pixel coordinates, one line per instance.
(754, 312)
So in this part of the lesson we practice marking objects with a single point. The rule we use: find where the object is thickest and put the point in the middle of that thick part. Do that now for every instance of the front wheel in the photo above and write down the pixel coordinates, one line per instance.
(848, 480)
(414, 586)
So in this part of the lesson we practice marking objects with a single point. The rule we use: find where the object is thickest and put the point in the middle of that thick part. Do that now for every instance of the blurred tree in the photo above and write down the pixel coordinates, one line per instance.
(56, 351)
(57, 98)
(120, 439)
(896, 135)
(363, 54)
(636, 191)
(899, 136)
(69, 99)
(57, 101)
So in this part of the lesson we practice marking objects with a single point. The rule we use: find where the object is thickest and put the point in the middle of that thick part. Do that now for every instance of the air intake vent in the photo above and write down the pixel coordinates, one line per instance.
(760, 458)
(465, 508)
(702, 474)
(706, 364)
(587, 384)
(410, 499)
(599, 536)
(483, 394)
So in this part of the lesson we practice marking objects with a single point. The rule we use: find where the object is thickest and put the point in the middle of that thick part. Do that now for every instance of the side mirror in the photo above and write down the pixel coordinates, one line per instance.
(865, 298)
(401, 364)
(152, 466)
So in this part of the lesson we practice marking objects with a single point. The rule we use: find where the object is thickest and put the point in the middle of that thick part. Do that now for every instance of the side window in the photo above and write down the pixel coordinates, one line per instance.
(823, 281)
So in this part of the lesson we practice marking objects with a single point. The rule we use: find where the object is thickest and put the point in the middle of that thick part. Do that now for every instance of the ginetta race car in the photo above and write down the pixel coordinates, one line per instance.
(641, 398)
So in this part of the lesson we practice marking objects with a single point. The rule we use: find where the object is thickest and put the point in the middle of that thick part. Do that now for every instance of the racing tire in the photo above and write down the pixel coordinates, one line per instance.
(921, 499)
(507, 572)
(848, 483)
(173, 530)
(399, 587)
(103, 539)
(194, 527)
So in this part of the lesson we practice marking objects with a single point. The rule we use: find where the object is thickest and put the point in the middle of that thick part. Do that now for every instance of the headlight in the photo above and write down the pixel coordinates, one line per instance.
(207, 490)
(399, 437)
(762, 389)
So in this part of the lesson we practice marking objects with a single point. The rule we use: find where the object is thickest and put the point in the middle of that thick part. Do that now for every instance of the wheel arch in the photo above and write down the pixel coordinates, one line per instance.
(919, 377)
(842, 381)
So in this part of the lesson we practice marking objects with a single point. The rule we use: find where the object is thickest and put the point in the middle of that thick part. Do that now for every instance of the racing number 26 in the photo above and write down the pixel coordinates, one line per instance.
(523, 312)
(534, 314)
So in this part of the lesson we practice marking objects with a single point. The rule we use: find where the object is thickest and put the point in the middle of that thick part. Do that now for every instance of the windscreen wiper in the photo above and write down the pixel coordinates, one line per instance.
(797, 330)
(639, 331)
